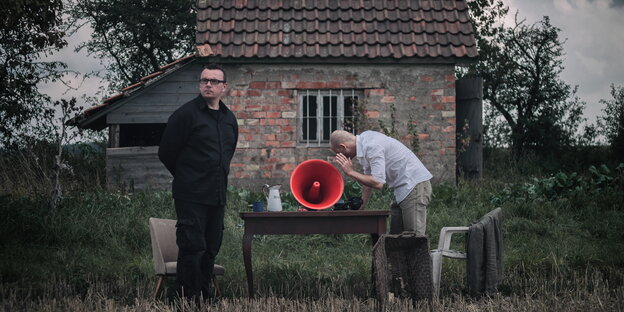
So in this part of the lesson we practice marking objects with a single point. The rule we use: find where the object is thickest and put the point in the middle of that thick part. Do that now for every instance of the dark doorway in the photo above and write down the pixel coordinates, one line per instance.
(140, 134)
(469, 95)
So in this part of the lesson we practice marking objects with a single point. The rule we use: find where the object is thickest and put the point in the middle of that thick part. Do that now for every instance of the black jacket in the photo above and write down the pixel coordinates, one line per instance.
(197, 149)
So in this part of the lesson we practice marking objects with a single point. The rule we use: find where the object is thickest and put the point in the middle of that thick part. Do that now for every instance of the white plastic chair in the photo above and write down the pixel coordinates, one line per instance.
(444, 244)
(486, 230)
(165, 252)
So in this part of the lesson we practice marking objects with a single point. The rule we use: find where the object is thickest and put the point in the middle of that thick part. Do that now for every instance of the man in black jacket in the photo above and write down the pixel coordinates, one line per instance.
(197, 147)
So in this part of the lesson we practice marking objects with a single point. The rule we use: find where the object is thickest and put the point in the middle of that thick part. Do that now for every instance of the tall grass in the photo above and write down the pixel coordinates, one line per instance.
(563, 234)
(29, 170)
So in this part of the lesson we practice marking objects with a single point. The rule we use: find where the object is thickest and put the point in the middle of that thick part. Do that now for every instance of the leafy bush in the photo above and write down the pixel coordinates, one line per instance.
(561, 185)
(612, 123)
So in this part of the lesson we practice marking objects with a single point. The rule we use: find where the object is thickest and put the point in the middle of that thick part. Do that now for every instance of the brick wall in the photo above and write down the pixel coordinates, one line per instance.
(265, 101)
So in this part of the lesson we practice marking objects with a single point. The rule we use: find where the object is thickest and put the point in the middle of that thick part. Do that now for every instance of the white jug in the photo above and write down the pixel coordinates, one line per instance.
(274, 202)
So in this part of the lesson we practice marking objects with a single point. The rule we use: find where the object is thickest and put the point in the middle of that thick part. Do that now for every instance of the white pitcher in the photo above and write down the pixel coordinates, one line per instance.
(274, 202)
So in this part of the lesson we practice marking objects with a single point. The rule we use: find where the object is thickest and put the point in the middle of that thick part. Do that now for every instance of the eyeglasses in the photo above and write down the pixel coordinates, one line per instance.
(212, 81)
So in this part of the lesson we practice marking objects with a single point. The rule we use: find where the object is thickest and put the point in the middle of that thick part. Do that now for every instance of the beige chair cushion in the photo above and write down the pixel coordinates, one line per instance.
(171, 268)
(165, 249)
(218, 270)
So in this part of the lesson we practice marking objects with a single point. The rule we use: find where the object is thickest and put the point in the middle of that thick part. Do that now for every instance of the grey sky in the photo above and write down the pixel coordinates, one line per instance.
(594, 49)
(595, 43)
(618, 3)
(80, 63)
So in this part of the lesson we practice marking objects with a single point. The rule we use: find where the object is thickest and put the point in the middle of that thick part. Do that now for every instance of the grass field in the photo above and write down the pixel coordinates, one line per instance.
(563, 240)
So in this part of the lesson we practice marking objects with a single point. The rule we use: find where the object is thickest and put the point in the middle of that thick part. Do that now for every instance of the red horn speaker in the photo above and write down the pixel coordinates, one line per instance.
(316, 184)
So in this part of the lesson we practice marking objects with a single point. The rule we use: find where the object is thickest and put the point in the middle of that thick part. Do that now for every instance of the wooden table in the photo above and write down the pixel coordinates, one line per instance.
(309, 222)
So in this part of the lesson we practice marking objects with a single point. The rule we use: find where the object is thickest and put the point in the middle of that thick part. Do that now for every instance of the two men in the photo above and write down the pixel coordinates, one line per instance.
(387, 161)
(198, 145)
(197, 148)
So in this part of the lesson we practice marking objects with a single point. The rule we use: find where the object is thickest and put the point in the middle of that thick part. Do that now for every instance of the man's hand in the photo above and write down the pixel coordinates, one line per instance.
(344, 163)
(347, 167)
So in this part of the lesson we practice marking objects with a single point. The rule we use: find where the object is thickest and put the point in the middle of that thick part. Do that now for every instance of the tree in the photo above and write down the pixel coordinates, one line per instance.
(487, 18)
(28, 30)
(58, 130)
(136, 37)
(530, 107)
(612, 123)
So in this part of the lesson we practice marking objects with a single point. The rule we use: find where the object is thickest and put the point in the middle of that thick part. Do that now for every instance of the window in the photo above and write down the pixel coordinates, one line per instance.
(323, 111)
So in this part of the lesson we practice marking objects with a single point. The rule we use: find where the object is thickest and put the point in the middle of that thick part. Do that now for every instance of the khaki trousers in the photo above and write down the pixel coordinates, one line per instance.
(410, 215)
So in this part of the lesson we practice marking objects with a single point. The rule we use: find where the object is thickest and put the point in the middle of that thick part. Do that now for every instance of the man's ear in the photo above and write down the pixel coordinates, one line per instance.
(343, 148)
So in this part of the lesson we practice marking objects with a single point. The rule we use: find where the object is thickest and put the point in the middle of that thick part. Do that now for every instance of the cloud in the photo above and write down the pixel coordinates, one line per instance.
(594, 43)
(617, 4)
(592, 65)
(562, 6)
(81, 81)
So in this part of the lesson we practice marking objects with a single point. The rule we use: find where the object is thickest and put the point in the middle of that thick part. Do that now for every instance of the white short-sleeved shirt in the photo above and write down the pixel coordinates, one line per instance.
(390, 162)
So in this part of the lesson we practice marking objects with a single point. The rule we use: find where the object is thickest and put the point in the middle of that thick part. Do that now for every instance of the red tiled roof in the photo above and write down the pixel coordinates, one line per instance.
(372, 29)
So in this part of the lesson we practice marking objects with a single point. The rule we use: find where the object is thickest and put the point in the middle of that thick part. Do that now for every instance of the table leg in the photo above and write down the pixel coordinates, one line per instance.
(247, 238)
(374, 238)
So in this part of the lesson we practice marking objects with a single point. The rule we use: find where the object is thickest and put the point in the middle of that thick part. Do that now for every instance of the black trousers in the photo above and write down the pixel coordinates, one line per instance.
(199, 232)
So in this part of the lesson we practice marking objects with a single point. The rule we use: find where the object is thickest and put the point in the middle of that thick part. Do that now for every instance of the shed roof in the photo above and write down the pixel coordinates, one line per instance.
(367, 29)
(94, 116)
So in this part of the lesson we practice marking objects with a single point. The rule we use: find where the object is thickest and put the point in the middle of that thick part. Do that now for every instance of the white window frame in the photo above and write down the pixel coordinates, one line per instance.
(341, 95)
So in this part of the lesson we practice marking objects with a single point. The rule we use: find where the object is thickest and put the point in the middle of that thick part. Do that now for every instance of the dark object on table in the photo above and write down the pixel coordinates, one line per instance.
(340, 205)
(354, 203)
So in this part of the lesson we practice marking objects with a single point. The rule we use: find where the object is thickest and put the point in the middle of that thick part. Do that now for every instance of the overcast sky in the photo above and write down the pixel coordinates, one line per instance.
(79, 63)
(594, 49)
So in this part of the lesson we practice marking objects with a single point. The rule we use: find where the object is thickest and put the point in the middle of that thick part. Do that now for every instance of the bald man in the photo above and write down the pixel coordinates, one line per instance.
(387, 161)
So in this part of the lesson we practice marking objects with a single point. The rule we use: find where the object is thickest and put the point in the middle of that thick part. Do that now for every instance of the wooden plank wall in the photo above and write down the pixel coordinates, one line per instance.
(136, 168)
(156, 104)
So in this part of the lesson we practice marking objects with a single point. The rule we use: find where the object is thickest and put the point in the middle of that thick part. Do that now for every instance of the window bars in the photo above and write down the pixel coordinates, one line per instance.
(323, 111)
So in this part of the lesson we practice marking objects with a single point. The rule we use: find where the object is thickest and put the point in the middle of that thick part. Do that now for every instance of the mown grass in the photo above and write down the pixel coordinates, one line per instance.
(563, 236)
(582, 292)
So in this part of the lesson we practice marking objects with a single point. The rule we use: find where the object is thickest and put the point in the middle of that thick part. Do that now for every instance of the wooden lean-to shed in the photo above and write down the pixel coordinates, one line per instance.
(297, 70)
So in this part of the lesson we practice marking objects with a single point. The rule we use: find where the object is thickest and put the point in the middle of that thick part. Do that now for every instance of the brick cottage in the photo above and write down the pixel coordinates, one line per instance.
(297, 70)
